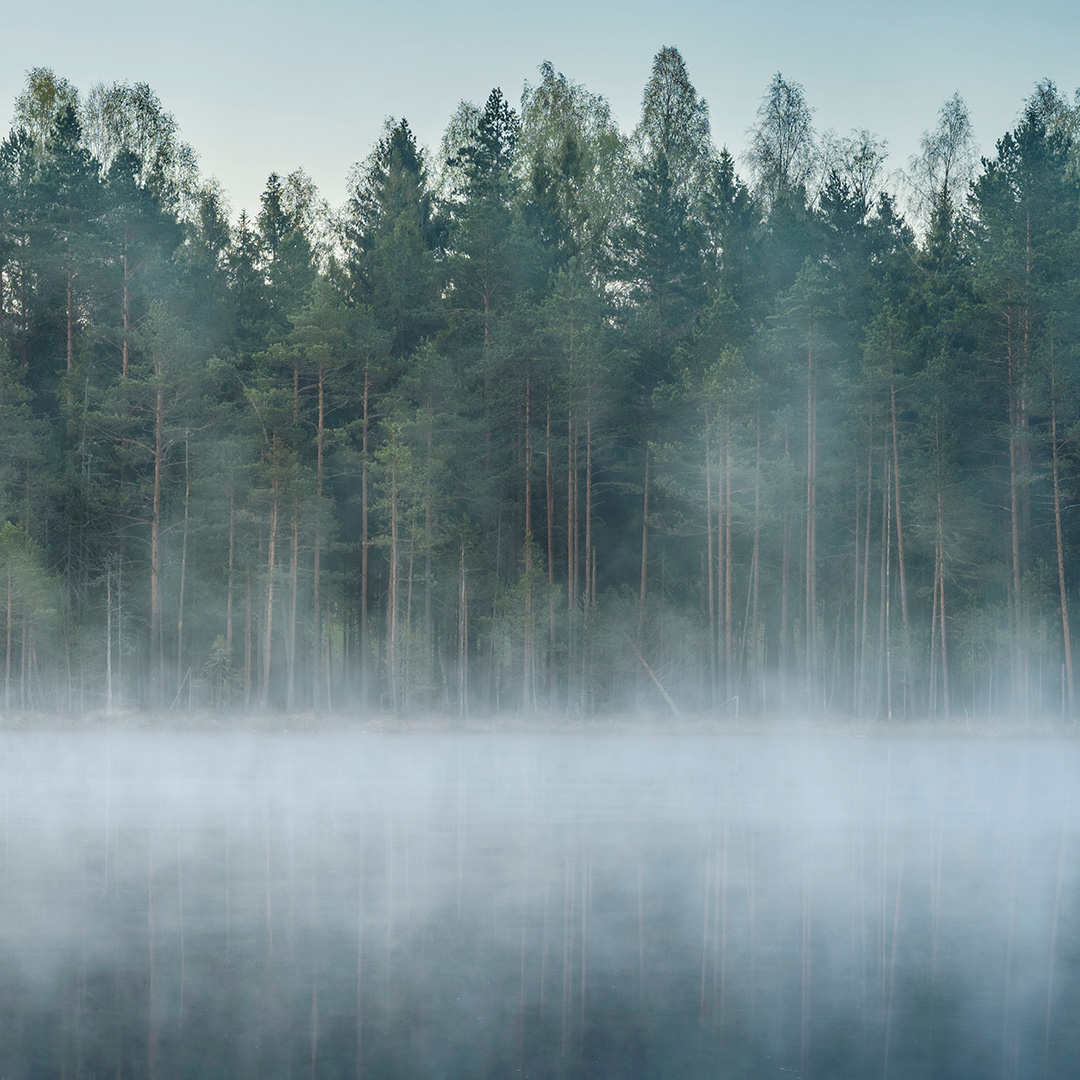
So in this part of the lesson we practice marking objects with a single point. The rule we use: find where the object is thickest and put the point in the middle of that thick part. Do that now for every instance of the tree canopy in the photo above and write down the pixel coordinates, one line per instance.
(552, 419)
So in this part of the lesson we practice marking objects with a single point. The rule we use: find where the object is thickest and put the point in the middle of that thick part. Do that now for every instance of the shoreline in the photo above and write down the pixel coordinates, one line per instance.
(210, 722)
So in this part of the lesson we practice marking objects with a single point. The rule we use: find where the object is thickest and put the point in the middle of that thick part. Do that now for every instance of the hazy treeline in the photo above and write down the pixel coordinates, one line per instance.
(554, 418)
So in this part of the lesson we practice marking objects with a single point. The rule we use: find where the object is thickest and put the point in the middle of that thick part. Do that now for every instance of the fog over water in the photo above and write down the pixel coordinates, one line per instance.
(568, 906)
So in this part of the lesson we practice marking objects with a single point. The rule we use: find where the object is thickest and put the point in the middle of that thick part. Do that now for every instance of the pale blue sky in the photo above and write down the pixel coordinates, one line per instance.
(270, 86)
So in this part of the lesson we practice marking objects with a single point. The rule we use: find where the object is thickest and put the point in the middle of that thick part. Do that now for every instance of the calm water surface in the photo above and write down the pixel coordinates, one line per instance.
(486, 906)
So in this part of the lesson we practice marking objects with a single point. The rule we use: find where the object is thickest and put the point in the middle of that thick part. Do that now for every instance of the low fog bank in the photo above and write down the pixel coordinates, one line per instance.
(647, 722)
(376, 904)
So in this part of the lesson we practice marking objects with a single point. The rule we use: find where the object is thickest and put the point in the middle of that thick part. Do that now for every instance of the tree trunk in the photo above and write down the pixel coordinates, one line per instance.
(864, 636)
(590, 584)
(316, 568)
(70, 327)
(392, 597)
(900, 562)
(8, 642)
(644, 550)
(429, 540)
(728, 569)
(571, 514)
(229, 586)
(294, 588)
(886, 594)
(108, 635)
(550, 484)
(941, 607)
(463, 641)
(125, 310)
(811, 531)
(365, 671)
(571, 559)
(247, 641)
(1015, 607)
(528, 691)
(183, 571)
(883, 607)
(155, 534)
(1070, 703)
(268, 631)
(755, 631)
(785, 582)
(710, 585)
(855, 606)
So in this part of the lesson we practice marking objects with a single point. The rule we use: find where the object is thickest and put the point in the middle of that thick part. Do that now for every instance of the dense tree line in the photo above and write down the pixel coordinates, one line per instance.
(552, 420)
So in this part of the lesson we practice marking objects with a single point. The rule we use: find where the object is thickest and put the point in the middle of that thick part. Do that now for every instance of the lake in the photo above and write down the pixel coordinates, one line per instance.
(465, 905)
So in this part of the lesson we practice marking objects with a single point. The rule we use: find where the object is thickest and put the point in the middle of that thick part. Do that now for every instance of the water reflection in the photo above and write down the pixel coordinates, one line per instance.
(466, 906)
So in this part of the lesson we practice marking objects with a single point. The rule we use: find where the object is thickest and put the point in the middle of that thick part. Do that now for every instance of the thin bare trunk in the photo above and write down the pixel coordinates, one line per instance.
(364, 545)
(294, 587)
(900, 561)
(887, 597)
(183, 571)
(644, 549)
(155, 533)
(728, 565)
(316, 569)
(571, 514)
(429, 527)
(70, 325)
(247, 641)
(125, 312)
(392, 597)
(811, 530)
(229, 587)
(941, 607)
(936, 592)
(756, 636)
(710, 584)
(463, 641)
(1062, 592)
(528, 690)
(883, 607)
(108, 637)
(785, 585)
(1015, 607)
(855, 606)
(550, 503)
(721, 564)
(8, 644)
(571, 556)
(268, 630)
(864, 635)
(590, 574)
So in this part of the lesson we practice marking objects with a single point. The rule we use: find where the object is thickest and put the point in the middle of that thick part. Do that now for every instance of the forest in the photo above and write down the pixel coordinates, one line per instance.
(550, 420)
